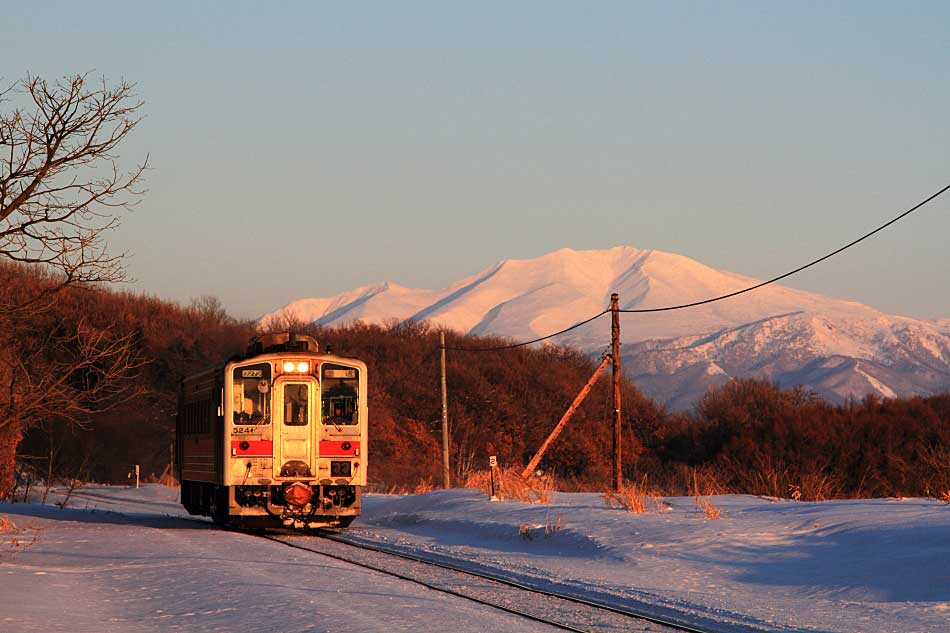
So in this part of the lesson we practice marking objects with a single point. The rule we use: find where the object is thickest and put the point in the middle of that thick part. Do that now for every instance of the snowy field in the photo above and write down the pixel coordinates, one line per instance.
(119, 559)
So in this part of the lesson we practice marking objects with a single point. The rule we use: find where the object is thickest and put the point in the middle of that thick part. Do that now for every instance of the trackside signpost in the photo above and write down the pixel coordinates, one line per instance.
(493, 470)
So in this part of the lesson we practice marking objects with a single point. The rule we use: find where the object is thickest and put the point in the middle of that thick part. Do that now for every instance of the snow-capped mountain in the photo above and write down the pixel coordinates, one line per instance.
(834, 347)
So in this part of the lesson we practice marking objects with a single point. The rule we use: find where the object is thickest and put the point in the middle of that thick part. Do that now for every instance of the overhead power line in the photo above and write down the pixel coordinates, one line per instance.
(537, 340)
(791, 272)
(681, 306)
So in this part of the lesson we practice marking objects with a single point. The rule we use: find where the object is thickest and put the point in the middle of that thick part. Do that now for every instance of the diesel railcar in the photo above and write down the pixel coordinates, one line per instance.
(274, 438)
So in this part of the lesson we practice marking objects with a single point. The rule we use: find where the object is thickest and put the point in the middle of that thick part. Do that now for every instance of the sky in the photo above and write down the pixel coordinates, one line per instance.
(303, 149)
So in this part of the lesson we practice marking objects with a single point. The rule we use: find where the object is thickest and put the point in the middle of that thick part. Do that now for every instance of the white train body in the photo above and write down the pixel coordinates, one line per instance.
(275, 438)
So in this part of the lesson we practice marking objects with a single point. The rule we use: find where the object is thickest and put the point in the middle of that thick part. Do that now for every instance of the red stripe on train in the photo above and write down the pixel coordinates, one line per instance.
(252, 448)
(347, 448)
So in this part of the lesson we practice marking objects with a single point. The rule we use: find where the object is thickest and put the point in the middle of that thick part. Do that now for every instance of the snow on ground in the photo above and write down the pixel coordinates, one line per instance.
(124, 559)
(871, 565)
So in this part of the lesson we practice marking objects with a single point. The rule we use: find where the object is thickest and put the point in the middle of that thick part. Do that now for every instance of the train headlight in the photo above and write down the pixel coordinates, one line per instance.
(289, 366)
(303, 367)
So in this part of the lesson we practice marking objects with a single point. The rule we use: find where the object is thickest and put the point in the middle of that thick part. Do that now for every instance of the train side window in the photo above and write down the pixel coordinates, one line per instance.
(340, 395)
(296, 404)
(250, 392)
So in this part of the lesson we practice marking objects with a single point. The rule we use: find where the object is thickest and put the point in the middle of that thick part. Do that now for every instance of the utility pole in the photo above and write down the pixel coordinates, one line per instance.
(445, 418)
(615, 355)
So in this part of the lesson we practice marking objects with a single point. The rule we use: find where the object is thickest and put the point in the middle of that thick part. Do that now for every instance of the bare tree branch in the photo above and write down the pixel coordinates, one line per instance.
(62, 190)
(61, 187)
(68, 376)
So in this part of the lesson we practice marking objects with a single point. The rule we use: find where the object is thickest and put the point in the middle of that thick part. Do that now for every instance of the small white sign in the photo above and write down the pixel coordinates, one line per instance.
(492, 461)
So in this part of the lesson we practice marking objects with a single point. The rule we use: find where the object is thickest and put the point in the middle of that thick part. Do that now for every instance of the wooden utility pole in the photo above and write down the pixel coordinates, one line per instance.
(564, 418)
(615, 354)
(445, 418)
(172, 473)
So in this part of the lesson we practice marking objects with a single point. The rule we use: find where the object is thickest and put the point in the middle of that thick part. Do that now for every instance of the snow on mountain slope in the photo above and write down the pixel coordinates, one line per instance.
(775, 333)
(833, 357)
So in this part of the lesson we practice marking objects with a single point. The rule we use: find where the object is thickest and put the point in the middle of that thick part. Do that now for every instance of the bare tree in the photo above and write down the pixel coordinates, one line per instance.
(61, 188)
(68, 376)
(61, 191)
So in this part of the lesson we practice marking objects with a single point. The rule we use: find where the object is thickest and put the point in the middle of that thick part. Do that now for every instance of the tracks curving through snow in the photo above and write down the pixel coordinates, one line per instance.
(565, 612)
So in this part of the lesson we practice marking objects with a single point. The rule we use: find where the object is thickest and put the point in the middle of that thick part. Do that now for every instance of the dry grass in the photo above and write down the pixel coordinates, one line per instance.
(424, 486)
(168, 478)
(708, 487)
(511, 485)
(635, 497)
(480, 479)
(14, 540)
(817, 487)
(709, 511)
(551, 527)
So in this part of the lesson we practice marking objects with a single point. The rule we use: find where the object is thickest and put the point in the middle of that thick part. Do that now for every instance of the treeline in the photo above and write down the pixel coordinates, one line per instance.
(749, 436)
(501, 403)
(746, 436)
(90, 376)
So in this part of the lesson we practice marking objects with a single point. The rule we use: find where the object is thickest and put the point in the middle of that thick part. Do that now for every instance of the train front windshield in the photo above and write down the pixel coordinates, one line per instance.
(340, 395)
(251, 393)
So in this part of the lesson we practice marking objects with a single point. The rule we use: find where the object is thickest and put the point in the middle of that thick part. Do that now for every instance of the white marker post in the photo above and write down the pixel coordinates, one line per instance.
(136, 475)
(493, 466)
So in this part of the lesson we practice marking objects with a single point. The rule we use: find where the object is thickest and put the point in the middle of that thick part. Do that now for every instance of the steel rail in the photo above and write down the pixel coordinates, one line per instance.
(592, 604)
(679, 626)
(534, 618)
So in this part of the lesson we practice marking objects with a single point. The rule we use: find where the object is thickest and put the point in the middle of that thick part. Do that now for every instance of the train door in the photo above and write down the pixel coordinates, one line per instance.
(294, 414)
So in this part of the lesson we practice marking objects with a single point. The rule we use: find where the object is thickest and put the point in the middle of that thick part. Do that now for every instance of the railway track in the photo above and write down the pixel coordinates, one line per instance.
(560, 610)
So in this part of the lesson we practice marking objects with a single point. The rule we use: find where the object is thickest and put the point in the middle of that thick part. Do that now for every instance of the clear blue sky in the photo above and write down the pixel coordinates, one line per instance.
(302, 149)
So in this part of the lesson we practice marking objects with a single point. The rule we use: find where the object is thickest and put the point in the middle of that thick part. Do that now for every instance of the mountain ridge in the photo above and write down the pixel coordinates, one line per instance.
(775, 333)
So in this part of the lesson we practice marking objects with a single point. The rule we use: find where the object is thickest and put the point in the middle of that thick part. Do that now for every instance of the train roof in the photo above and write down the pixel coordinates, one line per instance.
(270, 346)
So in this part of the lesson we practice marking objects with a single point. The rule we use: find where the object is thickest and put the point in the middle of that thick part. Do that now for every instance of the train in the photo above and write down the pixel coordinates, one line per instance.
(274, 438)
